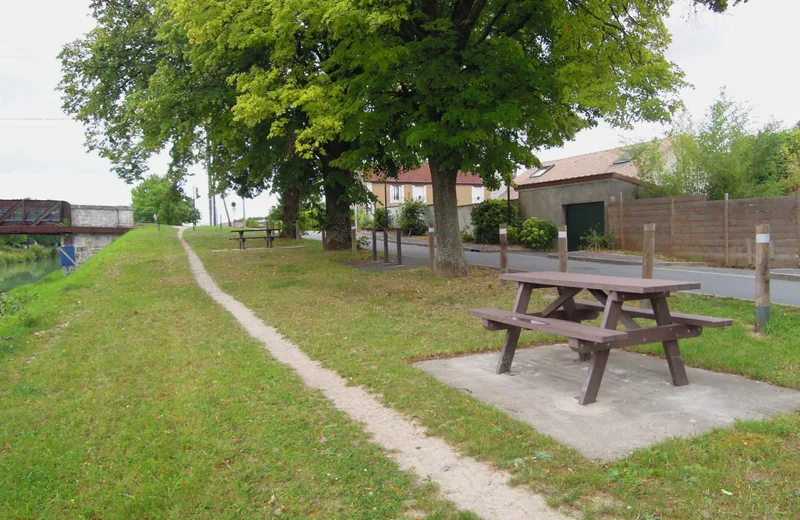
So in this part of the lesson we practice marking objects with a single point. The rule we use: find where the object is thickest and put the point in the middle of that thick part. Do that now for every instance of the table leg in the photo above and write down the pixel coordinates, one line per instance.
(566, 299)
(671, 349)
(241, 241)
(512, 334)
(594, 377)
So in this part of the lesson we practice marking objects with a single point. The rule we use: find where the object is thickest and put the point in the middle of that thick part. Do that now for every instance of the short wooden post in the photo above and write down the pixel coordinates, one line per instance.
(374, 245)
(297, 234)
(648, 250)
(762, 276)
(562, 249)
(324, 236)
(727, 231)
(354, 238)
(503, 248)
(399, 246)
(621, 225)
(385, 246)
(672, 227)
(432, 248)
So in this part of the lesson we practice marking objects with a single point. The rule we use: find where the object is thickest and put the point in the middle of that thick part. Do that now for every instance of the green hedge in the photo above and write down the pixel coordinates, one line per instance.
(538, 234)
(486, 219)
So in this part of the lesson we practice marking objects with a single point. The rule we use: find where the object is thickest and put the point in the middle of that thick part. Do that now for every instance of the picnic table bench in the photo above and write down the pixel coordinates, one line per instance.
(269, 235)
(564, 315)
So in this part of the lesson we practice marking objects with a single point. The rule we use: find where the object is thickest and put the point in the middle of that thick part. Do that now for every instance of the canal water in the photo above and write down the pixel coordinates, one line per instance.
(15, 275)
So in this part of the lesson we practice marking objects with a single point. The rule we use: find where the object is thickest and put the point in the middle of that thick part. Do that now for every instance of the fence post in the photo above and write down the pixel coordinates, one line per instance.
(727, 236)
(399, 246)
(323, 238)
(432, 248)
(762, 276)
(648, 250)
(374, 245)
(621, 225)
(297, 234)
(503, 248)
(672, 227)
(562, 249)
(385, 245)
(354, 238)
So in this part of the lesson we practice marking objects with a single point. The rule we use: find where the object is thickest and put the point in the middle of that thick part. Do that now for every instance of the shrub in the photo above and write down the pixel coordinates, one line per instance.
(383, 219)
(596, 240)
(486, 219)
(513, 235)
(538, 234)
(412, 217)
(364, 220)
(466, 235)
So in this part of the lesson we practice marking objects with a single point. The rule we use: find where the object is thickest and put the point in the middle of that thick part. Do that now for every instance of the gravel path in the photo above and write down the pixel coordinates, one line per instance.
(469, 484)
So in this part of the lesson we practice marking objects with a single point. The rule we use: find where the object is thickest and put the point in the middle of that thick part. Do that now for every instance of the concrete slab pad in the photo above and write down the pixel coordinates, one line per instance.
(637, 405)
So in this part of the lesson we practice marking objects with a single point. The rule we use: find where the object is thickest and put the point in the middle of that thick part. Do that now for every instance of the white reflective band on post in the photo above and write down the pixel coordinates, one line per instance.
(430, 230)
(562, 234)
(762, 238)
(503, 231)
(353, 228)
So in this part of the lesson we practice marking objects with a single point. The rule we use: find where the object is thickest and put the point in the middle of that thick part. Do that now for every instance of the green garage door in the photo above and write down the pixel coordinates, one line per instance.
(580, 219)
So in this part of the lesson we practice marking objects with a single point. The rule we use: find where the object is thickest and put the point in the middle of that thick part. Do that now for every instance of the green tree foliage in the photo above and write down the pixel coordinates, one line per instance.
(538, 234)
(383, 219)
(486, 218)
(721, 154)
(412, 217)
(157, 195)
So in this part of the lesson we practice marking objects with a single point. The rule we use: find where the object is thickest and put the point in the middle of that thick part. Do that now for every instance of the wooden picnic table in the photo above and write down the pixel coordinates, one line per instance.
(565, 314)
(269, 235)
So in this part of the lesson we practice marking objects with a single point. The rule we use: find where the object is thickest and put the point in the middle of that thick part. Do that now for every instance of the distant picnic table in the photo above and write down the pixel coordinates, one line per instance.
(269, 235)
(565, 314)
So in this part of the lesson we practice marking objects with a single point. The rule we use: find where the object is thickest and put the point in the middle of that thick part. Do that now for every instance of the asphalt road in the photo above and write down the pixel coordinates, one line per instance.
(732, 283)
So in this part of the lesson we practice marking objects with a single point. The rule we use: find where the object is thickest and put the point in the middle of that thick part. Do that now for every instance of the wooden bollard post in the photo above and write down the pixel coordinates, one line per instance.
(399, 246)
(374, 245)
(503, 248)
(432, 248)
(297, 234)
(648, 255)
(562, 249)
(323, 237)
(648, 250)
(762, 276)
(354, 238)
(385, 246)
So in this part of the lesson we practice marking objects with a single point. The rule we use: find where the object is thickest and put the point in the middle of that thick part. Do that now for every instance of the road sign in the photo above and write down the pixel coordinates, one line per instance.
(67, 255)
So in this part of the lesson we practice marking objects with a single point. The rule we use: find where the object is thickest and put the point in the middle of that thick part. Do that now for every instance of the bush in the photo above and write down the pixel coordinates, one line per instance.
(252, 222)
(596, 240)
(364, 220)
(538, 234)
(412, 217)
(383, 219)
(513, 235)
(486, 219)
(466, 235)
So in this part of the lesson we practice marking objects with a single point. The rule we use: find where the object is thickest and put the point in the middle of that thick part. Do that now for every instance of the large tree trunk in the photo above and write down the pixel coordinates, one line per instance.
(450, 259)
(337, 217)
(290, 200)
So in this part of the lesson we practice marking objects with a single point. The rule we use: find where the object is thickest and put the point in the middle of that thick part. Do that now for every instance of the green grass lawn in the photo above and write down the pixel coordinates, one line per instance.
(368, 326)
(127, 393)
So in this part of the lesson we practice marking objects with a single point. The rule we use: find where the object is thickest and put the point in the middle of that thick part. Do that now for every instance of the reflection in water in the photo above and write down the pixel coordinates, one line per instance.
(15, 275)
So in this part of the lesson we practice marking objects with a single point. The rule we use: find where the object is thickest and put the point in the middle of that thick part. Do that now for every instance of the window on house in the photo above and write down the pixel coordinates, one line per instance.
(541, 171)
(396, 194)
(419, 193)
(477, 194)
(624, 158)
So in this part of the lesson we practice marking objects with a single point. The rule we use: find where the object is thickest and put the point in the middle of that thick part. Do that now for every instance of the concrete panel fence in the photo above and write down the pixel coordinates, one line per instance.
(716, 231)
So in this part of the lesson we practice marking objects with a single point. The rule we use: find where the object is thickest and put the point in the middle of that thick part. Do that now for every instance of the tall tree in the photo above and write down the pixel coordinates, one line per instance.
(158, 196)
(474, 85)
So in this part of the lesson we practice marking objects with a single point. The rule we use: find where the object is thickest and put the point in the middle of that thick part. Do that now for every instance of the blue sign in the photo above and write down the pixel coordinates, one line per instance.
(67, 254)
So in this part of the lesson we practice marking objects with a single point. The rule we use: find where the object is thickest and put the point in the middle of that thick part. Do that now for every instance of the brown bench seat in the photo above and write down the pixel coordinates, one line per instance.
(498, 319)
(677, 317)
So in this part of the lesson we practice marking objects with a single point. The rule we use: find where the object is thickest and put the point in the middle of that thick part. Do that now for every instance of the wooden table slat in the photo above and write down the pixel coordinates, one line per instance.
(602, 282)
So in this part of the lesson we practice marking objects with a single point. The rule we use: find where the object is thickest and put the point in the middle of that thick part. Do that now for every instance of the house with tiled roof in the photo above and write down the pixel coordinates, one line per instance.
(575, 191)
(417, 185)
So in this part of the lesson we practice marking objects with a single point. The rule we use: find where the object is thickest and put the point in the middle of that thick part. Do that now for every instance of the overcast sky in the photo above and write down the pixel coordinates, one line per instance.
(748, 50)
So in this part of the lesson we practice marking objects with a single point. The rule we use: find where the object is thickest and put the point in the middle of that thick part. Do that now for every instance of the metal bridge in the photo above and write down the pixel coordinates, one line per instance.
(53, 217)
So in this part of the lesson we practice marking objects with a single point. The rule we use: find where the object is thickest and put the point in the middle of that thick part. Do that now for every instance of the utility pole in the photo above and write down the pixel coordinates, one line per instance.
(195, 196)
